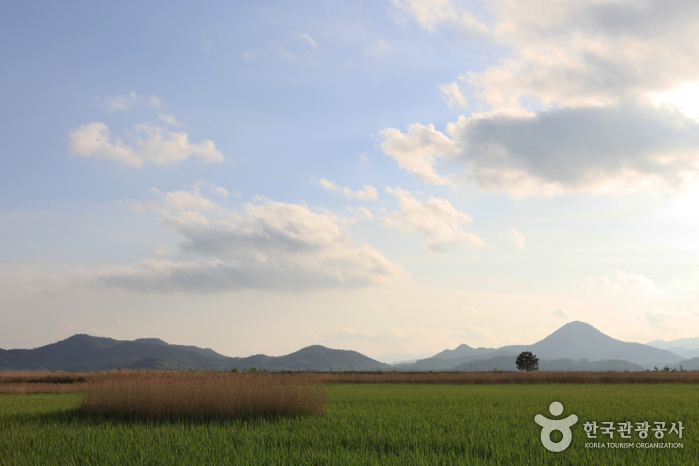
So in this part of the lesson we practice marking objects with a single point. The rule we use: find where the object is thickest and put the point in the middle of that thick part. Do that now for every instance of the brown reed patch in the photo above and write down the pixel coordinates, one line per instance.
(175, 395)
(60, 382)
(503, 377)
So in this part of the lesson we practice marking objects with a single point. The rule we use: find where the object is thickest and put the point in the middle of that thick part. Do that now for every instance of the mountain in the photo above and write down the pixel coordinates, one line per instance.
(578, 340)
(462, 351)
(507, 363)
(574, 341)
(403, 358)
(312, 358)
(684, 343)
(85, 352)
(445, 360)
(685, 353)
(685, 347)
(689, 364)
(444, 364)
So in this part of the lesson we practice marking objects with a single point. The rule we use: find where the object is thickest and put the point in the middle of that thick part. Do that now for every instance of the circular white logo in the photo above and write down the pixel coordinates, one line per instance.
(562, 425)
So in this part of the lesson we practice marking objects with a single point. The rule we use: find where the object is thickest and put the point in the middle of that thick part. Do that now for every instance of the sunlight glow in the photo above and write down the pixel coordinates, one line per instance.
(686, 97)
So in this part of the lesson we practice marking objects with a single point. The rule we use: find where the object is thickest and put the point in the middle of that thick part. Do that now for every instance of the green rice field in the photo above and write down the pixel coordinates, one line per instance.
(365, 424)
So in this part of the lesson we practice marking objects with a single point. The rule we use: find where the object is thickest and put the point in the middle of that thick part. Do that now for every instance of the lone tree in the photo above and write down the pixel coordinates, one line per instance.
(526, 361)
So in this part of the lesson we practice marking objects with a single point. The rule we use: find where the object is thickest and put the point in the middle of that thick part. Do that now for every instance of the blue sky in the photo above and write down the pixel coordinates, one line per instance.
(390, 177)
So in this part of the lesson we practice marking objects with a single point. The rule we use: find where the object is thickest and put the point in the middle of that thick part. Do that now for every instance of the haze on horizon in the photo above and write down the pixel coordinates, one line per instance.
(394, 177)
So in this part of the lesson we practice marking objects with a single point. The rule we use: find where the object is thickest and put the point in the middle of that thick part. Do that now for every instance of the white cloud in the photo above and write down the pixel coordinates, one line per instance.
(291, 56)
(601, 150)
(307, 39)
(182, 201)
(212, 188)
(636, 282)
(361, 213)
(417, 150)
(633, 282)
(516, 238)
(587, 53)
(223, 192)
(124, 102)
(560, 313)
(366, 193)
(570, 105)
(432, 13)
(169, 119)
(452, 95)
(435, 219)
(156, 145)
(271, 245)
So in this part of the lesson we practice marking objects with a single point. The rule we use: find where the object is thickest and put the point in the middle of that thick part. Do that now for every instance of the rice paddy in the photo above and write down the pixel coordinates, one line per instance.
(365, 423)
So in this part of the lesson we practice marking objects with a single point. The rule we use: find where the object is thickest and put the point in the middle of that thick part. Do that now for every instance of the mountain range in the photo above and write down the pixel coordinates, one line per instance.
(85, 352)
(574, 346)
(685, 347)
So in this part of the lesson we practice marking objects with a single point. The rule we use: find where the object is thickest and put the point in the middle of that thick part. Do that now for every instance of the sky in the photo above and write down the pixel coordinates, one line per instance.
(394, 177)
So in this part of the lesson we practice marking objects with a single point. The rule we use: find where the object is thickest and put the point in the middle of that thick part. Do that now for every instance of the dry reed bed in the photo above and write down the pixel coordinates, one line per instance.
(176, 395)
(510, 377)
(57, 382)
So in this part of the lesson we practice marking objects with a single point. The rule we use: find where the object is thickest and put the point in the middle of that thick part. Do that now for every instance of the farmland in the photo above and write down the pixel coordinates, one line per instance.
(446, 421)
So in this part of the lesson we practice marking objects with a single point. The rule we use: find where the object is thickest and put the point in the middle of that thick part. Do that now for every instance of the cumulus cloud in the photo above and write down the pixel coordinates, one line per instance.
(574, 102)
(603, 150)
(587, 53)
(152, 144)
(432, 13)
(452, 94)
(366, 193)
(417, 150)
(435, 219)
(516, 238)
(269, 245)
(169, 119)
(124, 102)
(575, 53)
(360, 213)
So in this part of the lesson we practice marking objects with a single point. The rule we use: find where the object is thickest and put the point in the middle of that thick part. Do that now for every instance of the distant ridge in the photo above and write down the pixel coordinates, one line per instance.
(575, 344)
(84, 352)
(578, 340)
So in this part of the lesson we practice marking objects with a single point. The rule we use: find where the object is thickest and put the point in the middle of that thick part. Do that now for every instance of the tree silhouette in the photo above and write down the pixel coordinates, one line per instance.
(526, 361)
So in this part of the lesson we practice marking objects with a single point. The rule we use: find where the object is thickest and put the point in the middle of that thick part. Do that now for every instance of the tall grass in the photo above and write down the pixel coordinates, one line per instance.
(545, 377)
(174, 395)
(58, 382)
